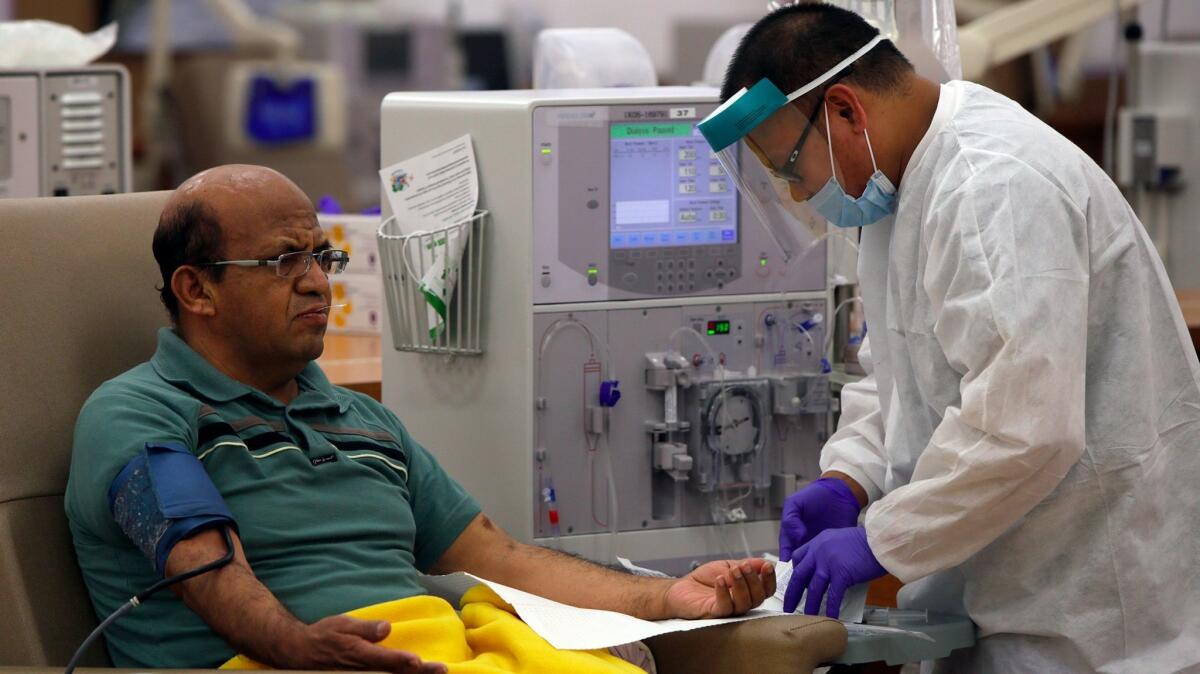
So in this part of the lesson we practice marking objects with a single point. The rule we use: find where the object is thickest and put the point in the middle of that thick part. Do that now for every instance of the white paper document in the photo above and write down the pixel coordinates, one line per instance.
(434, 189)
(435, 192)
(568, 627)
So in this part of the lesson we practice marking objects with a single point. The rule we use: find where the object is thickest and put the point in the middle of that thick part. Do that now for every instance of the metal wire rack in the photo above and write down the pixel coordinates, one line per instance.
(433, 286)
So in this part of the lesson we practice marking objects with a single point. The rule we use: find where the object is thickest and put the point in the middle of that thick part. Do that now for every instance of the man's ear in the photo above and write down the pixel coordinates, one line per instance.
(843, 101)
(194, 291)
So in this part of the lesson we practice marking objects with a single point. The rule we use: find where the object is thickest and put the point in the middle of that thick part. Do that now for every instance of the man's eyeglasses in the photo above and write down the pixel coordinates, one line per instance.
(788, 170)
(290, 265)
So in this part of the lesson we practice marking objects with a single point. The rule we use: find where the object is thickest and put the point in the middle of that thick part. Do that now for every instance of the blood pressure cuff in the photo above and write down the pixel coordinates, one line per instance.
(162, 496)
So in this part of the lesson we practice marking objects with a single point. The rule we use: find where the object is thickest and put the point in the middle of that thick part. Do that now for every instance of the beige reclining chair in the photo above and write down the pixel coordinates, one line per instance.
(79, 306)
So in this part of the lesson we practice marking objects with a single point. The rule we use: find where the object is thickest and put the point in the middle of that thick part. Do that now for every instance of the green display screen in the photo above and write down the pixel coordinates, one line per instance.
(718, 327)
(666, 130)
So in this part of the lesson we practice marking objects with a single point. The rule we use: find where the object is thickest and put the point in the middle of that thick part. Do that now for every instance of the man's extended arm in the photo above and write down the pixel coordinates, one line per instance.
(714, 590)
(238, 607)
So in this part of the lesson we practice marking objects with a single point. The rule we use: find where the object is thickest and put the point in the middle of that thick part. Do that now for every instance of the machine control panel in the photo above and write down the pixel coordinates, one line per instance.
(631, 203)
(673, 225)
(718, 402)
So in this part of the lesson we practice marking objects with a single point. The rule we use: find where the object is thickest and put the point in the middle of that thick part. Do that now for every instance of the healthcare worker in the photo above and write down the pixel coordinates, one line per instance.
(1026, 444)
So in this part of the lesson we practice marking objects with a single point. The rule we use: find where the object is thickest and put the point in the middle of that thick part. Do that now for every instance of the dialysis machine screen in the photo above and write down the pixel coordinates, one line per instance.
(667, 189)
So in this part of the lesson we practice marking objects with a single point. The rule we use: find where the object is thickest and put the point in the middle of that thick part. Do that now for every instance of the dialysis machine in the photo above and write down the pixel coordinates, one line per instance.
(652, 383)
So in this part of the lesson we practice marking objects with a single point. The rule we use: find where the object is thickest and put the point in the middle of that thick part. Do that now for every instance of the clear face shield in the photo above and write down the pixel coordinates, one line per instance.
(776, 150)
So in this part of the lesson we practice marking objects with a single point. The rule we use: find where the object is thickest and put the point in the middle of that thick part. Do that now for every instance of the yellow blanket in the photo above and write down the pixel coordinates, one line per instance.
(488, 638)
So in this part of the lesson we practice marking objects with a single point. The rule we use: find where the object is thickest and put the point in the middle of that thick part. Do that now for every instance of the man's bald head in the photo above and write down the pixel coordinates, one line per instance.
(233, 186)
(190, 228)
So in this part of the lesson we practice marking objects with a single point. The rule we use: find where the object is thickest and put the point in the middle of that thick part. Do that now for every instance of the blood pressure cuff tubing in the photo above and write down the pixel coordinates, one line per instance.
(162, 496)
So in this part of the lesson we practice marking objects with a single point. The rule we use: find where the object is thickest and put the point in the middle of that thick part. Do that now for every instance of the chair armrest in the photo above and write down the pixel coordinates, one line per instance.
(108, 671)
(792, 643)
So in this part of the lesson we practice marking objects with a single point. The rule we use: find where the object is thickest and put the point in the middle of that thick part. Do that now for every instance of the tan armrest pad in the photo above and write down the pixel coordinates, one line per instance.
(794, 644)
(105, 671)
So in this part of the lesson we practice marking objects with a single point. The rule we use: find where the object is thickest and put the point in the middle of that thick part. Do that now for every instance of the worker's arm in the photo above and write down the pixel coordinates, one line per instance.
(855, 454)
(855, 486)
(1008, 280)
(716, 589)
(239, 608)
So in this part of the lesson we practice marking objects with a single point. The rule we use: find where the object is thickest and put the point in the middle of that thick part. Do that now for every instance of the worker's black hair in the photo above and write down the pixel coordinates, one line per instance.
(794, 45)
(187, 234)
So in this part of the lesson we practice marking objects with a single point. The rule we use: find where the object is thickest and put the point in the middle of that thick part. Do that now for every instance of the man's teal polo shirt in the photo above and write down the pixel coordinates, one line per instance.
(337, 506)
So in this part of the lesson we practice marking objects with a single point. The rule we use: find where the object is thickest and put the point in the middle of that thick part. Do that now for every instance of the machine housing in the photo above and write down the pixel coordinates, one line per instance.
(65, 131)
(571, 300)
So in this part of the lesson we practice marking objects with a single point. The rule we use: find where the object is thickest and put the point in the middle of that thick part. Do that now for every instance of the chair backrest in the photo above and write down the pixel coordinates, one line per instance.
(77, 306)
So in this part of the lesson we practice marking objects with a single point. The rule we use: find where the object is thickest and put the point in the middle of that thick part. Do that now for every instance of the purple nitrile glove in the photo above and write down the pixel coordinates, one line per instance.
(835, 560)
(827, 503)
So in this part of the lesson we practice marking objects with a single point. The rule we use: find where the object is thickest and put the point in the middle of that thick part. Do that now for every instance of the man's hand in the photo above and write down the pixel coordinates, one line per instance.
(720, 589)
(342, 642)
(833, 561)
(245, 613)
(828, 503)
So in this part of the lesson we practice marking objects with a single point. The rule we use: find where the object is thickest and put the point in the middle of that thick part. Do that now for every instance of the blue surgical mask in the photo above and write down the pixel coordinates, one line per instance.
(877, 201)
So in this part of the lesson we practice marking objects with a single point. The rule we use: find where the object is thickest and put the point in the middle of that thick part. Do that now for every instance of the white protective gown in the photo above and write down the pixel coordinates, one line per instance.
(1029, 432)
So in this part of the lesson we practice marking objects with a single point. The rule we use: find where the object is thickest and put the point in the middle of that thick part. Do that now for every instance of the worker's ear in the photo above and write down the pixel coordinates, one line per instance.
(844, 103)
(194, 291)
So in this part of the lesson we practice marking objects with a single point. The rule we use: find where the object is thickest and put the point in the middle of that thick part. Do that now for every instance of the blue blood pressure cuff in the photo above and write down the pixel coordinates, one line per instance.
(162, 496)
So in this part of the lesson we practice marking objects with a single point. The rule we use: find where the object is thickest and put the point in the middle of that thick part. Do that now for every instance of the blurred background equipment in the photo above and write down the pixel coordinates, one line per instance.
(374, 48)
(358, 292)
(721, 54)
(580, 58)
(1054, 57)
(64, 131)
(1157, 138)
(251, 101)
(64, 124)
(297, 84)
(286, 114)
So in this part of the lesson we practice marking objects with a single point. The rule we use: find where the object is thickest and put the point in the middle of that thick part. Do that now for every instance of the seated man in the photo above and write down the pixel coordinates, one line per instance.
(335, 507)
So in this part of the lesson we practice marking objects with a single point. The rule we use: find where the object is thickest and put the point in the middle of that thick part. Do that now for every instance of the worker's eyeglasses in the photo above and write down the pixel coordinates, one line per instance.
(290, 265)
(787, 172)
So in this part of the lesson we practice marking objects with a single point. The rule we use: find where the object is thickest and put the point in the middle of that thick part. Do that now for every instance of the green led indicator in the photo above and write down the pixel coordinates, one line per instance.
(546, 151)
(718, 327)
(762, 261)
